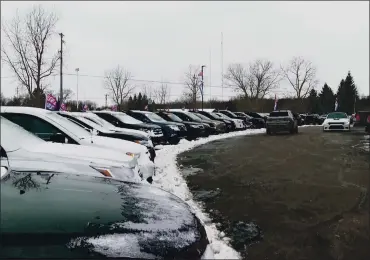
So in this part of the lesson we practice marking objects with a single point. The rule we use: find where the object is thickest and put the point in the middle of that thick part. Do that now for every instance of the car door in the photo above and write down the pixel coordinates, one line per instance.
(37, 126)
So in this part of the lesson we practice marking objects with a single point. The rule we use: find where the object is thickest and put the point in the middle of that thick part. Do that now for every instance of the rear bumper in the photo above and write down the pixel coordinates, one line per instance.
(279, 127)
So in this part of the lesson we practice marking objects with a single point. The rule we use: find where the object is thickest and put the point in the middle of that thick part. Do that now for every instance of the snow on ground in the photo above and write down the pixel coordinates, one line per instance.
(168, 177)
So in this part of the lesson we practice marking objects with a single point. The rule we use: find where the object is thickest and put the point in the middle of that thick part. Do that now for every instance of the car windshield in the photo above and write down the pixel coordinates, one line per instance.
(174, 117)
(192, 117)
(337, 115)
(278, 113)
(97, 120)
(202, 116)
(223, 116)
(14, 137)
(215, 115)
(64, 124)
(231, 113)
(91, 123)
(155, 118)
(127, 119)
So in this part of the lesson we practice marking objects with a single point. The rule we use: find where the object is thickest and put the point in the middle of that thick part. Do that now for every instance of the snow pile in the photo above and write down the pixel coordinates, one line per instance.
(168, 177)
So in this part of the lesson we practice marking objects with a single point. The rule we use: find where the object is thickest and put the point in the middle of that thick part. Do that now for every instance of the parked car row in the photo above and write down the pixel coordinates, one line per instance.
(75, 185)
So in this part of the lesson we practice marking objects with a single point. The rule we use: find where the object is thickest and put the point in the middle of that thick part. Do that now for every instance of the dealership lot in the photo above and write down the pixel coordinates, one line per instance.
(286, 196)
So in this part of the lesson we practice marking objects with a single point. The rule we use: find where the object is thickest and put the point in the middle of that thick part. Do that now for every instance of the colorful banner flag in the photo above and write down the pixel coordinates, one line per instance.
(63, 107)
(114, 108)
(50, 102)
(85, 108)
(146, 107)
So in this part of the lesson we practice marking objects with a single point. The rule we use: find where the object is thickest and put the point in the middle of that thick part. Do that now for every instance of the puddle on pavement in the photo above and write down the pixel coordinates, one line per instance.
(190, 171)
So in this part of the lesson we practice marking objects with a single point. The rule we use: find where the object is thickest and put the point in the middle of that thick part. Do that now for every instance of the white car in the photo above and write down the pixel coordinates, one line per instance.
(50, 126)
(336, 121)
(26, 151)
(239, 124)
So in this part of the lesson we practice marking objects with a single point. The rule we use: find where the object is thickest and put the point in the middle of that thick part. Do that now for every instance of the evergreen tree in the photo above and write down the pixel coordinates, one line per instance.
(313, 102)
(130, 103)
(140, 104)
(326, 99)
(134, 102)
(347, 95)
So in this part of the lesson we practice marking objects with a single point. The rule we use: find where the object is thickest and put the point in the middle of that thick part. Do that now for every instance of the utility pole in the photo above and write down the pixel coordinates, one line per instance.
(17, 92)
(202, 90)
(77, 70)
(61, 69)
(222, 66)
(106, 100)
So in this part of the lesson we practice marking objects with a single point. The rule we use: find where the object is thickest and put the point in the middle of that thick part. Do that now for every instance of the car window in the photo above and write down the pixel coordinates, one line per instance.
(14, 136)
(229, 113)
(33, 124)
(279, 113)
(337, 115)
(90, 124)
(202, 116)
(68, 126)
(193, 117)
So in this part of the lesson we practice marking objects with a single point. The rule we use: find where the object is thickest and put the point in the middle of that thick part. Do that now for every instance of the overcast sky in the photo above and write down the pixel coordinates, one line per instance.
(159, 40)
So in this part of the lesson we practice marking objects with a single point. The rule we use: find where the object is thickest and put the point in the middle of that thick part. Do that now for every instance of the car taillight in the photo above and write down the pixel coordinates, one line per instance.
(357, 117)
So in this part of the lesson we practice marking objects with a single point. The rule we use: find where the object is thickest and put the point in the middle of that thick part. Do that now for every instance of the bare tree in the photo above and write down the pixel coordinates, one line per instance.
(162, 94)
(263, 78)
(256, 81)
(301, 75)
(192, 84)
(117, 83)
(147, 91)
(25, 53)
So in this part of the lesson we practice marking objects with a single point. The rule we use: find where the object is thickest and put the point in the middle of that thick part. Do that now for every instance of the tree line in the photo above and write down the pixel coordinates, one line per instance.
(26, 53)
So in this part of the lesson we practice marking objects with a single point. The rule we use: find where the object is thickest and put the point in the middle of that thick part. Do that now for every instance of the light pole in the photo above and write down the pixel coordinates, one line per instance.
(202, 90)
(77, 70)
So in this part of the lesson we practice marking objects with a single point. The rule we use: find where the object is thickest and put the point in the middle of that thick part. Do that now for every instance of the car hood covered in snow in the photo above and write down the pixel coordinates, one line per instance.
(114, 143)
(83, 152)
(110, 218)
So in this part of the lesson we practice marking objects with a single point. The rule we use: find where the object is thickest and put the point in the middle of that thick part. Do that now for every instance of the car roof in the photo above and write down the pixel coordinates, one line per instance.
(141, 111)
(25, 110)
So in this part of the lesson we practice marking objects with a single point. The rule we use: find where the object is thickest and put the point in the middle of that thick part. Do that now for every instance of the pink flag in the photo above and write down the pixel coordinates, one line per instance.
(63, 107)
(114, 108)
(85, 108)
(50, 102)
(200, 74)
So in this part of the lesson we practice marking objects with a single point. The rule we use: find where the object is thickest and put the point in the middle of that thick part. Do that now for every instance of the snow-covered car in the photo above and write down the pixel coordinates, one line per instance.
(239, 123)
(25, 150)
(50, 126)
(336, 121)
(60, 215)
(99, 130)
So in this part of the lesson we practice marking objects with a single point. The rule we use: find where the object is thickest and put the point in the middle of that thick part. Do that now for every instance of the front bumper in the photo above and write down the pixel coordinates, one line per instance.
(337, 127)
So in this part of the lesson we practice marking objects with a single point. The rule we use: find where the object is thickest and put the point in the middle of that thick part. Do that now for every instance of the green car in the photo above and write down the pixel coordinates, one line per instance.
(57, 215)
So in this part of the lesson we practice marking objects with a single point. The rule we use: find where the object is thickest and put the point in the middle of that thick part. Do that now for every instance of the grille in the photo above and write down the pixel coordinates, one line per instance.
(336, 127)
(339, 123)
(157, 131)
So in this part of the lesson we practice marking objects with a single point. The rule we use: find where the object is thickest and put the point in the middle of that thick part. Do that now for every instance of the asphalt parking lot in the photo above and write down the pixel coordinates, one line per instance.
(295, 197)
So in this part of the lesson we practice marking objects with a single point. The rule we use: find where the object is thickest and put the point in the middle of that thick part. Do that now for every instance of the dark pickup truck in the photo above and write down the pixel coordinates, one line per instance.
(280, 121)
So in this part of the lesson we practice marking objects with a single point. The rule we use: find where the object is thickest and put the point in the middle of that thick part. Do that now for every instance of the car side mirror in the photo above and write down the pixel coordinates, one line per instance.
(94, 132)
(58, 138)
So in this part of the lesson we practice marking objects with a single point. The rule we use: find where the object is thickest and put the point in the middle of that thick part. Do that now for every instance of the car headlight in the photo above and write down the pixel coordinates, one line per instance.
(194, 126)
(174, 127)
(103, 170)
(144, 130)
(142, 142)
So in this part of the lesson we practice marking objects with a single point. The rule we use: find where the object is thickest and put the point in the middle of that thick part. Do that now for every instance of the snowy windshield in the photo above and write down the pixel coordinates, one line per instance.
(215, 115)
(337, 115)
(97, 120)
(66, 125)
(14, 137)
(223, 116)
(127, 119)
(154, 117)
